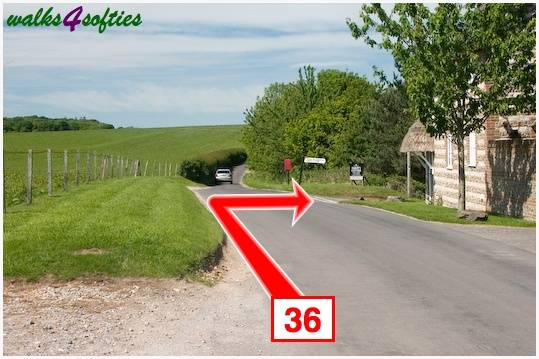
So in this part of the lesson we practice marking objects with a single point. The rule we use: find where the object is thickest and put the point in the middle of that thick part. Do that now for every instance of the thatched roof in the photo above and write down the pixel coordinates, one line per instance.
(417, 139)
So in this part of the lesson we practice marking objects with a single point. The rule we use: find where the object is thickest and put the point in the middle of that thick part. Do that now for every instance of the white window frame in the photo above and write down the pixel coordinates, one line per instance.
(449, 151)
(472, 150)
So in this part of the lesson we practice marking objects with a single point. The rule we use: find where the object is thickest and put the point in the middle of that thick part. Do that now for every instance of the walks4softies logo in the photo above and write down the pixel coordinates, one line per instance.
(74, 18)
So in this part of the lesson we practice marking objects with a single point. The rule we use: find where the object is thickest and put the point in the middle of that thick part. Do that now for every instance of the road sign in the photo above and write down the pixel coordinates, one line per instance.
(319, 160)
(356, 172)
(277, 285)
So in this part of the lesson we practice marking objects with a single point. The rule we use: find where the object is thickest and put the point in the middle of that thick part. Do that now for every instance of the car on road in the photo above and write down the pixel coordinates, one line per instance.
(223, 175)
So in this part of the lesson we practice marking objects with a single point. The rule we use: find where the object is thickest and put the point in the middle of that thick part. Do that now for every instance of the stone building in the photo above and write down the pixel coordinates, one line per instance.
(499, 160)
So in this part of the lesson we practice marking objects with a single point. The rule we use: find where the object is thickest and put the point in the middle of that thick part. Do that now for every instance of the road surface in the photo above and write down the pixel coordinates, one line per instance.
(404, 287)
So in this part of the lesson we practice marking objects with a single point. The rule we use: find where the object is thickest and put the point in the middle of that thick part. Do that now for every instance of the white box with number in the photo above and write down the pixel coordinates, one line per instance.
(303, 319)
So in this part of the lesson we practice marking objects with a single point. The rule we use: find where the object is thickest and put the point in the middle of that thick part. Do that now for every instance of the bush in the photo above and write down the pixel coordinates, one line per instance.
(202, 169)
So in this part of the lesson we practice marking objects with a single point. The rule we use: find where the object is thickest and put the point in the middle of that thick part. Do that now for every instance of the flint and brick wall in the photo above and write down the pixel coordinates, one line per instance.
(510, 180)
(446, 181)
(503, 180)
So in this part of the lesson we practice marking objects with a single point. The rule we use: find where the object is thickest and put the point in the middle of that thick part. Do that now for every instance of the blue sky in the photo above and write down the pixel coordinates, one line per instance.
(187, 64)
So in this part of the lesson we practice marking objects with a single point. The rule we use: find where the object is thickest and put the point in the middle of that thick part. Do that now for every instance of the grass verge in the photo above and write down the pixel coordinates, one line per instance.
(138, 227)
(338, 190)
(419, 209)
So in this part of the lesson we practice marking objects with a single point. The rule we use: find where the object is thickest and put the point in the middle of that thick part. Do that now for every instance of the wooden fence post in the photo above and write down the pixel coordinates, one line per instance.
(111, 166)
(103, 167)
(66, 178)
(4, 188)
(29, 178)
(87, 167)
(49, 171)
(145, 168)
(159, 172)
(77, 168)
(170, 169)
(176, 171)
(121, 166)
(95, 166)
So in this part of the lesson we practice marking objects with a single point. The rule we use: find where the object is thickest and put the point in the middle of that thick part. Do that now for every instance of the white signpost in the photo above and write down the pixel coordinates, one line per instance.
(319, 160)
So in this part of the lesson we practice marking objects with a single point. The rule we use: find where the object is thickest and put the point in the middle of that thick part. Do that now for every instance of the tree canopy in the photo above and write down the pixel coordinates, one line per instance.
(41, 123)
(333, 114)
(461, 62)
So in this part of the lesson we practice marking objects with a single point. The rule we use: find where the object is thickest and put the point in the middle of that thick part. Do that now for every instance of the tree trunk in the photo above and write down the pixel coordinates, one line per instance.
(462, 177)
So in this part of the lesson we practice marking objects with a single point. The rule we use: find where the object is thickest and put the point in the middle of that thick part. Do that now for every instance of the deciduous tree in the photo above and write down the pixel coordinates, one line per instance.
(461, 63)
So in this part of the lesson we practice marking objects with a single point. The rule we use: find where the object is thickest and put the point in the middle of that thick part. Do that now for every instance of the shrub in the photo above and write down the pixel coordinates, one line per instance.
(202, 169)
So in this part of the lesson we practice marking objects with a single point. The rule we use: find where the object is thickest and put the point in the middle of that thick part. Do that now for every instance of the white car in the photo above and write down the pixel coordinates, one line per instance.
(223, 175)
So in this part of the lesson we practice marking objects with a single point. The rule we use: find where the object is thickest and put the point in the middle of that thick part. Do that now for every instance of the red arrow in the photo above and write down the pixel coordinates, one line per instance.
(272, 278)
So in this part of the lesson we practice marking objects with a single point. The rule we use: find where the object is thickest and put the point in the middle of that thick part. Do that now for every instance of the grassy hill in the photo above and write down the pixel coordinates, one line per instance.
(145, 226)
(161, 144)
(152, 144)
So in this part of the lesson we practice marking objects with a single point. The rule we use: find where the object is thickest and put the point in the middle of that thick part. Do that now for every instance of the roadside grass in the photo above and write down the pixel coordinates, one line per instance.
(146, 144)
(338, 190)
(419, 209)
(137, 227)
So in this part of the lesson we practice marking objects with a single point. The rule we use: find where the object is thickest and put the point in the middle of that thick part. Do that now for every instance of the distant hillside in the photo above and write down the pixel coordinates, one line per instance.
(40, 123)
(156, 145)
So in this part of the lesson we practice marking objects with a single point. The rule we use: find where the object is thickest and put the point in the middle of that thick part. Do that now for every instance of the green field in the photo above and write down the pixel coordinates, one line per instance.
(164, 144)
(151, 227)
(152, 144)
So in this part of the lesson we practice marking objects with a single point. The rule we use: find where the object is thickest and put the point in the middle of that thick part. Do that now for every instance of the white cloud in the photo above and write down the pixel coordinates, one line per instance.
(92, 50)
(156, 43)
(152, 98)
(225, 50)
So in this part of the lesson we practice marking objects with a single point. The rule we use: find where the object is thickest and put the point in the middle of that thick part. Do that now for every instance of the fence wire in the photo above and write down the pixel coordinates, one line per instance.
(92, 167)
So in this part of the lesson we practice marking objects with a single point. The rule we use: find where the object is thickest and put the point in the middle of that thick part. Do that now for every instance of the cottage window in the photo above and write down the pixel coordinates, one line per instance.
(472, 150)
(449, 152)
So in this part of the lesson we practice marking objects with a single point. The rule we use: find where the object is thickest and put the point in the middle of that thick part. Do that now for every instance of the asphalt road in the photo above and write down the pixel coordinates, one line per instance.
(403, 287)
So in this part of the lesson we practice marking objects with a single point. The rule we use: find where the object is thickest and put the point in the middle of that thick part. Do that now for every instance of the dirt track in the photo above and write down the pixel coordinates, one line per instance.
(138, 316)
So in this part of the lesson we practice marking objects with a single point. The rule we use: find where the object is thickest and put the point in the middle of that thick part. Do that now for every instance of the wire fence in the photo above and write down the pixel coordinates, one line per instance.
(31, 173)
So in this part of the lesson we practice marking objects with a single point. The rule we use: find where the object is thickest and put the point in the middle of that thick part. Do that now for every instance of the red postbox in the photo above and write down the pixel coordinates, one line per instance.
(288, 165)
